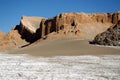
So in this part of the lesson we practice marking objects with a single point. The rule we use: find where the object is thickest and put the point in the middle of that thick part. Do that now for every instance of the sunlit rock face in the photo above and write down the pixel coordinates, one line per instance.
(11, 39)
(28, 26)
(83, 25)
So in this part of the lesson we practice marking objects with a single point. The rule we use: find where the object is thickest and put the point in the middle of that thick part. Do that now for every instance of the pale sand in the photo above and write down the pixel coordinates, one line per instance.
(65, 47)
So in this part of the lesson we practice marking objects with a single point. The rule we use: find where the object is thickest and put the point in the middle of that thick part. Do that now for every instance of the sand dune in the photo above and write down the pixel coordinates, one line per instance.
(65, 47)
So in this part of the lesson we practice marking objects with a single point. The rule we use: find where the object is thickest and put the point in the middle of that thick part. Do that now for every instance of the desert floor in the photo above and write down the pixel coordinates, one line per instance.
(61, 59)
(66, 47)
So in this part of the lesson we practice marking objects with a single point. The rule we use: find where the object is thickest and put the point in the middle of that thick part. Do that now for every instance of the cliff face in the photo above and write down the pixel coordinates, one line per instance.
(110, 37)
(27, 27)
(83, 25)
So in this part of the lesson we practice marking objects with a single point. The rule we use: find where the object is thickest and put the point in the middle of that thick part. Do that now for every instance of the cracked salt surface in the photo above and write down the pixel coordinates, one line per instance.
(86, 67)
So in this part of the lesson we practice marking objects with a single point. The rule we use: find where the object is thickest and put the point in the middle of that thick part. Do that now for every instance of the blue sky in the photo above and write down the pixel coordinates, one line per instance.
(12, 10)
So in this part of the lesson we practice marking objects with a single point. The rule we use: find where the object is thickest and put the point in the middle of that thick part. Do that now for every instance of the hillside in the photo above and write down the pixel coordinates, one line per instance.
(85, 26)
(110, 37)
(73, 24)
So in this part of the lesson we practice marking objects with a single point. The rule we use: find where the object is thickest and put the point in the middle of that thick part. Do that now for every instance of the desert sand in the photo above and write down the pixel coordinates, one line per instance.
(65, 47)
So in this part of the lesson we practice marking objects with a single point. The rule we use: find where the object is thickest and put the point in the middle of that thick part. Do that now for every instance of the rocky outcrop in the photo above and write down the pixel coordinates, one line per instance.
(28, 26)
(15, 37)
(11, 39)
(2, 35)
(83, 25)
(110, 37)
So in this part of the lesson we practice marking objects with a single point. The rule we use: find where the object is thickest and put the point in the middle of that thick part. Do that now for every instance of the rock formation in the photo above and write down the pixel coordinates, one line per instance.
(83, 25)
(11, 39)
(15, 37)
(28, 26)
(2, 35)
(110, 37)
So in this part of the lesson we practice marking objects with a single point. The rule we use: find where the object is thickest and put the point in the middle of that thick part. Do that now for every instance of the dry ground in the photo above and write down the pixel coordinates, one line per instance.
(66, 47)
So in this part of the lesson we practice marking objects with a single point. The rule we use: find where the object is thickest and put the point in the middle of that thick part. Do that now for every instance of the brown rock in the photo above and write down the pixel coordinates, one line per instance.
(11, 40)
(15, 37)
(28, 27)
(82, 25)
(89, 25)
(110, 37)
(115, 17)
(2, 35)
(85, 26)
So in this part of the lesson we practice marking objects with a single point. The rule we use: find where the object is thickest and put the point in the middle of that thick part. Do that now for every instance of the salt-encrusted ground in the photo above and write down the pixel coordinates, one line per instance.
(86, 67)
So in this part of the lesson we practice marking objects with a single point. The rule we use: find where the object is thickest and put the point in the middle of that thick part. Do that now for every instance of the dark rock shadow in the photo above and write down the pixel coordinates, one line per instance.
(25, 45)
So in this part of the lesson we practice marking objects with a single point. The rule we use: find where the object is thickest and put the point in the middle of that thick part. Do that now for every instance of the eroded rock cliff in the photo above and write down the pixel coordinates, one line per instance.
(28, 26)
(79, 24)
(83, 25)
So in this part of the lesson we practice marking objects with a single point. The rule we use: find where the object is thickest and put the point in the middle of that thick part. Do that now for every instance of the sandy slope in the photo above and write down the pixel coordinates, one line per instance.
(67, 59)
(65, 46)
